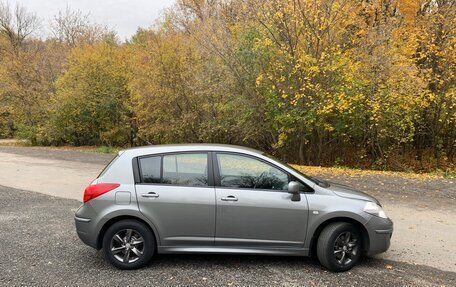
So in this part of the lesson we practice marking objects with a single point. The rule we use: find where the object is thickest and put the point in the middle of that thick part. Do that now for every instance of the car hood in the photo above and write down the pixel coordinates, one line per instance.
(348, 192)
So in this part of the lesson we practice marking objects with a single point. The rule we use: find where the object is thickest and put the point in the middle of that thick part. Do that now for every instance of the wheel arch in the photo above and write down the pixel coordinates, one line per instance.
(113, 220)
(322, 225)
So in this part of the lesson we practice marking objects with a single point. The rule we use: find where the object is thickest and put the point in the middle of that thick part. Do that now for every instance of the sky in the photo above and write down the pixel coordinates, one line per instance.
(123, 16)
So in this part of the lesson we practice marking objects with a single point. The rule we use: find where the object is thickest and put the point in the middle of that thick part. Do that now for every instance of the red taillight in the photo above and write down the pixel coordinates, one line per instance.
(98, 189)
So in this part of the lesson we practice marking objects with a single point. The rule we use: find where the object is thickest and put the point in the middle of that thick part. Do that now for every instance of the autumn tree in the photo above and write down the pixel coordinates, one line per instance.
(92, 105)
(74, 28)
(24, 88)
(215, 29)
(351, 82)
(16, 24)
(436, 59)
(389, 83)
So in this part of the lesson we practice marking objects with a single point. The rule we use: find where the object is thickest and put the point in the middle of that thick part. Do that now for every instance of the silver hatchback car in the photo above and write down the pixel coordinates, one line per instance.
(203, 198)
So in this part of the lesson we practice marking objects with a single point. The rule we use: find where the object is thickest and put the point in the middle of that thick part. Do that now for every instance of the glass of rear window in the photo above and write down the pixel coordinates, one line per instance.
(186, 169)
(150, 169)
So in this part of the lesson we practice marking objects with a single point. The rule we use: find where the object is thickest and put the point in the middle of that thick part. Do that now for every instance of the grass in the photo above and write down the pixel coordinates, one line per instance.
(451, 174)
(94, 149)
(107, 149)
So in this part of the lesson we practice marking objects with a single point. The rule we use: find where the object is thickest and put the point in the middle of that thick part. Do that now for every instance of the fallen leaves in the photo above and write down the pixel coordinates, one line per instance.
(351, 172)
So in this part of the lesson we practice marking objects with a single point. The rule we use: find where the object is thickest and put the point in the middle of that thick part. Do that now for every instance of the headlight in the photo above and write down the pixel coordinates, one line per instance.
(374, 209)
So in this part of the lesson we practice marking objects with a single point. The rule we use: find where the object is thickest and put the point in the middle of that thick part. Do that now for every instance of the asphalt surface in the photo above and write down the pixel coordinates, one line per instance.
(39, 247)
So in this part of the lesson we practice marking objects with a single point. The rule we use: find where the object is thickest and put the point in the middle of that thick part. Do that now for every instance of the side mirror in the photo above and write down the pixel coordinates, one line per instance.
(293, 188)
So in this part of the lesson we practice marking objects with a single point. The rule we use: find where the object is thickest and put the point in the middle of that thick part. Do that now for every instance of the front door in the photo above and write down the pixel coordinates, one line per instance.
(175, 195)
(254, 208)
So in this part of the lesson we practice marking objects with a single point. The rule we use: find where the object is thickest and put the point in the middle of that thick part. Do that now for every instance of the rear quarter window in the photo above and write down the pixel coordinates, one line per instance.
(108, 166)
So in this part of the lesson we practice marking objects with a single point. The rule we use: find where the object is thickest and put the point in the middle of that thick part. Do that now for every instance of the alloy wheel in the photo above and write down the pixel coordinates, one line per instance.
(345, 248)
(127, 246)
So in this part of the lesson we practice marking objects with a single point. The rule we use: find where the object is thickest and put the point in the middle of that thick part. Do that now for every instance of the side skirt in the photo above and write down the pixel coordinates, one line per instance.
(231, 250)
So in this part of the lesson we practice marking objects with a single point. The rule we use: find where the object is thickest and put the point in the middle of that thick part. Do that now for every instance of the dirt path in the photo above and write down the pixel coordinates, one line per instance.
(65, 179)
(423, 210)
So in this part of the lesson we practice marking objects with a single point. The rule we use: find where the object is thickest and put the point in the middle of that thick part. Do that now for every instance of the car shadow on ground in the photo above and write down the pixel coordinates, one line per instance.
(277, 270)
(235, 261)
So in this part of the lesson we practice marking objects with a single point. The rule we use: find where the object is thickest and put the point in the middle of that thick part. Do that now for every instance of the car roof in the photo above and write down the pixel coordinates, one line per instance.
(155, 149)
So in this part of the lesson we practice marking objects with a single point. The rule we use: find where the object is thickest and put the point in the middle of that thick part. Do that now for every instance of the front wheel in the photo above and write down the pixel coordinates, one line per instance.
(339, 246)
(128, 244)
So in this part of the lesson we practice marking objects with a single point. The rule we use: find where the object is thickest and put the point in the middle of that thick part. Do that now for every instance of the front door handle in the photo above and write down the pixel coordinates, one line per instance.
(150, 195)
(230, 198)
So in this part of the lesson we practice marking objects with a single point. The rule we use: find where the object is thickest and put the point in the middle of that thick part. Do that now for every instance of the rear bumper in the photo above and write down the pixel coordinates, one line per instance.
(92, 216)
(86, 225)
(380, 231)
(85, 232)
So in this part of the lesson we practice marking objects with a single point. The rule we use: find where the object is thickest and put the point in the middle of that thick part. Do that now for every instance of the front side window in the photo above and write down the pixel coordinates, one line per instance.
(188, 169)
(240, 171)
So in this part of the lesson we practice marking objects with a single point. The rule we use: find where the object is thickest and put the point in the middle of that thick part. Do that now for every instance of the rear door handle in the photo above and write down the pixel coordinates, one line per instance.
(150, 195)
(230, 198)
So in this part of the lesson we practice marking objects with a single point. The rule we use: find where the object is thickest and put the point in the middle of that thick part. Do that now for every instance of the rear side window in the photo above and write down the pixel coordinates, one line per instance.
(187, 169)
(150, 169)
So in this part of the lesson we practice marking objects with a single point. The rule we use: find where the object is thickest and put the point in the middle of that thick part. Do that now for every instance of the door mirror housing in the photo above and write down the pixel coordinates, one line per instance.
(293, 188)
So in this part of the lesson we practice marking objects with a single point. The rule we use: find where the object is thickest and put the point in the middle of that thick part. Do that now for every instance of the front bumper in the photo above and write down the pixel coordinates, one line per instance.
(380, 231)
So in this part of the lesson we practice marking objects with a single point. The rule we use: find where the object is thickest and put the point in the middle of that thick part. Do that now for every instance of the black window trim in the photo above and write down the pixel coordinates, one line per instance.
(217, 178)
(138, 175)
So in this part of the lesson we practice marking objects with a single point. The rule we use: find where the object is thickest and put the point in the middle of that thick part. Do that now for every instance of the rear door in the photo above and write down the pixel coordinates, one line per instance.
(254, 209)
(176, 193)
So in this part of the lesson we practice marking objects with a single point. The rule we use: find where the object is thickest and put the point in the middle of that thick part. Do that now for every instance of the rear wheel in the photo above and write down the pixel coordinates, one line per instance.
(128, 244)
(339, 246)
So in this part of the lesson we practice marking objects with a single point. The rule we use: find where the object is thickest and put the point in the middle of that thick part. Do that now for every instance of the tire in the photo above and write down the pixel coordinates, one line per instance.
(339, 246)
(129, 244)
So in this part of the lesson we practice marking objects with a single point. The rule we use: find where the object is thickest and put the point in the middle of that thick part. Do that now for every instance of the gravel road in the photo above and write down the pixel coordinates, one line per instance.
(39, 245)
